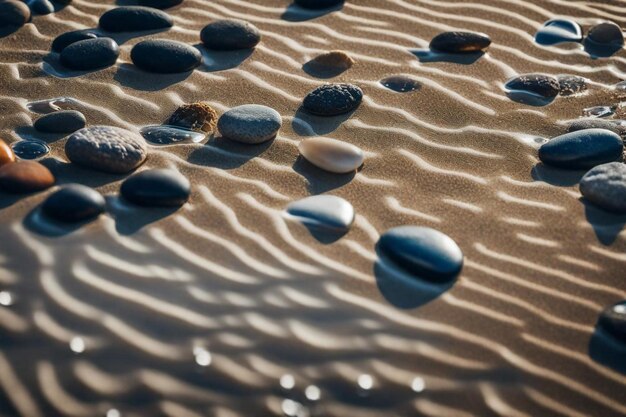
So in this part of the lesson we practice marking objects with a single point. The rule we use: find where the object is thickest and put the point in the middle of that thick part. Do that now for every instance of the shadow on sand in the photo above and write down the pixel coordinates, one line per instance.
(320, 181)
(130, 218)
(305, 124)
(213, 61)
(606, 350)
(556, 176)
(223, 153)
(606, 225)
(130, 76)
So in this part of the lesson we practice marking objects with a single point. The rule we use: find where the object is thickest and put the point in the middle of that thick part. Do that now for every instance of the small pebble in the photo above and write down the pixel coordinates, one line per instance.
(605, 186)
(324, 211)
(74, 203)
(542, 85)
(422, 251)
(66, 39)
(13, 13)
(613, 321)
(582, 149)
(106, 148)
(25, 177)
(198, 116)
(170, 135)
(250, 123)
(30, 149)
(165, 56)
(615, 126)
(6, 153)
(135, 19)
(460, 42)
(318, 4)
(333, 99)
(331, 154)
(599, 111)
(559, 30)
(65, 121)
(571, 84)
(90, 54)
(330, 63)
(228, 35)
(157, 187)
(606, 33)
(401, 83)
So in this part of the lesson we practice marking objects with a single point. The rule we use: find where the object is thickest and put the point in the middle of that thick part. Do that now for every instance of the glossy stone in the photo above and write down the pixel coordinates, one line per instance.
(159, 4)
(318, 4)
(542, 85)
(323, 211)
(333, 99)
(616, 126)
(606, 33)
(459, 42)
(30, 149)
(613, 321)
(571, 84)
(157, 187)
(329, 64)
(106, 148)
(165, 56)
(13, 13)
(66, 39)
(41, 6)
(25, 177)
(170, 135)
(90, 54)
(605, 186)
(559, 30)
(227, 35)
(6, 153)
(582, 149)
(250, 123)
(65, 121)
(74, 203)
(135, 19)
(195, 116)
(422, 251)
(401, 83)
(331, 154)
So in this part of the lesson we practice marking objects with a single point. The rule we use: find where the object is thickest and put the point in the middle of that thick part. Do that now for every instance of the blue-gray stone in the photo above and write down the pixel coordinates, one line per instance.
(324, 211)
(227, 35)
(616, 126)
(157, 187)
(250, 123)
(582, 149)
(606, 33)
(559, 30)
(159, 4)
(605, 186)
(165, 56)
(90, 54)
(41, 6)
(66, 39)
(333, 99)
(460, 42)
(74, 203)
(542, 85)
(135, 19)
(169, 135)
(64, 121)
(613, 321)
(30, 149)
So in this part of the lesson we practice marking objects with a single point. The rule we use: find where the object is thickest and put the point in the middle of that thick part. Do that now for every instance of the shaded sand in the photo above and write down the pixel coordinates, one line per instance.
(118, 313)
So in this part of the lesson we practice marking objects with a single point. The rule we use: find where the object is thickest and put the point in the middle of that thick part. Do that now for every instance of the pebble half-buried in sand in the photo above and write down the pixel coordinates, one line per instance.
(65, 121)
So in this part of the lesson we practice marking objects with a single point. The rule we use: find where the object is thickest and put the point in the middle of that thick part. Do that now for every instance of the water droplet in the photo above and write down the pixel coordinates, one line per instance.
(620, 309)
(287, 381)
(30, 149)
(6, 299)
(169, 135)
(401, 83)
(366, 382)
(418, 384)
(312, 393)
(203, 356)
(113, 413)
(77, 345)
(599, 111)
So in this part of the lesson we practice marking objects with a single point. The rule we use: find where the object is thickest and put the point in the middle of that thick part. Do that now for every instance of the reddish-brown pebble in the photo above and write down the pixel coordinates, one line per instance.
(6, 153)
(25, 177)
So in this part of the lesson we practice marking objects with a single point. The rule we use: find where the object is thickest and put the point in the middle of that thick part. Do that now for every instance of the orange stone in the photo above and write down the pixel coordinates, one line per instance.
(25, 177)
(6, 153)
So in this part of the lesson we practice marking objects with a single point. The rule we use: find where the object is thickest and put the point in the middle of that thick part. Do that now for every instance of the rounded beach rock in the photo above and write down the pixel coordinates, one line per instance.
(615, 126)
(30, 149)
(582, 149)
(605, 186)
(333, 99)
(90, 54)
(331, 154)
(318, 4)
(13, 13)
(74, 203)
(159, 4)
(65, 121)
(542, 85)
(250, 123)
(6, 153)
(613, 321)
(227, 35)
(323, 211)
(606, 33)
(157, 187)
(135, 19)
(559, 30)
(66, 39)
(106, 148)
(25, 177)
(329, 64)
(422, 251)
(198, 116)
(165, 56)
(460, 42)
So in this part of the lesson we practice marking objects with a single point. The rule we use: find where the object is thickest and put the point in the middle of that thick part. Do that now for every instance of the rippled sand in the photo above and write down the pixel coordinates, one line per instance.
(123, 313)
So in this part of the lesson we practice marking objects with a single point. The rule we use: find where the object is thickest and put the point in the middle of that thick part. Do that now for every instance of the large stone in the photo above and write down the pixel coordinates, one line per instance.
(460, 42)
(605, 186)
(13, 13)
(333, 99)
(90, 54)
(582, 149)
(542, 85)
(157, 187)
(227, 35)
(135, 19)
(331, 154)
(65, 121)
(74, 203)
(323, 211)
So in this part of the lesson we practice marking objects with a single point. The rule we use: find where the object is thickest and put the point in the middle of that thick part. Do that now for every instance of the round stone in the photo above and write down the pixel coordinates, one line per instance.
(6, 153)
(250, 123)
(25, 177)
(106, 148)
(571, 84)
(459, 42)
(542, 85)
(198, 116)
(41, 6)
(605, 186)
(323, 211)
(74, 203)
(157, 187)
(65, 121)
(165, 56)
(582, 149)
(135, 19)
(615, 126)
(401, 83)
(90, 54)
(331, 154)
(333, 99)
(30, 149)
(318, 4)
(170, 135)
(422, 251)
(606, 33)
(13, 13)
(66, 39)
(559, 30)
(227, 35)
(613, 321)
(329, 64)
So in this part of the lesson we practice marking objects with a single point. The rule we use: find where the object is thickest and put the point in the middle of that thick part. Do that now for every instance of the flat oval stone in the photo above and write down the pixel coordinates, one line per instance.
(582, 149)
(90, 54)
(333, 99)
(606, 33)
(459, 42)
(159, 4)
(106, 148)
(250, 123)
(615, 126)
(74, 203)
(157, 187)
(422, 251)
(13, 13)
(318, 4)
(66, 39)
(605, 186)
(165, 56)
(25, 177)
(135, 19)
(41, 6)
(30, 149)
(559, 30)
(195, 116)
(6, 153)
(324, 211)
(613, 321)
(170, 135)
(542, 85)
(227, 35)
(571, 84)
(331, 154)
(65, 121)
(401, 83)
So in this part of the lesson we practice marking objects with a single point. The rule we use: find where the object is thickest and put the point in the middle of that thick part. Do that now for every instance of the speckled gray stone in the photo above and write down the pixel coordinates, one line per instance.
(333, 99)
(250, 123)
(571, 84)
(134, 19)
(542, 85)
(226, 35)
(605, 186)
(106, 148)
(165, 56)
(65, 121)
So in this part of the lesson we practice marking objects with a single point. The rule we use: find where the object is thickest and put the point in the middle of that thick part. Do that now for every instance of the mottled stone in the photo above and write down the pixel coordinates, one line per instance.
(6, 153)
(318, 4)
(106, 148)
(227, 35)
(25, 177)
(13, 13)
(250, 123)
(157, 187)
(613, 321)
(582, 149)
(170, 135)
(606, 33)
(135, 19)
(90, 54)
(331, 154)
(459, 42)
(30, 149)
(198, 116)
(323, 211)
(333, 99)
(66, 39)
(559, 30)
(74, 203)
(605, 186)
(542, 85)
(65, 121)
(401, 83)
(615, 126)
(571, 84)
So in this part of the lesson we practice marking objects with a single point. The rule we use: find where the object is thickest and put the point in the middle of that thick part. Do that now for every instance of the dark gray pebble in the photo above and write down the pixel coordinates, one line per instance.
(460, 42)
(42, 6)
(250, 123)
(66, 39)
(157, 187)
(159, 4)
(582, 149)
(318, 4)
(165, 56)
(13, 13)
(606, 33)
(333, 99)
(74, 203)
(226, 35)
(542, 85)
(616, 126)
(90, 54)
(135, 19)
(613, 321)
(605, 186)
(65, 121)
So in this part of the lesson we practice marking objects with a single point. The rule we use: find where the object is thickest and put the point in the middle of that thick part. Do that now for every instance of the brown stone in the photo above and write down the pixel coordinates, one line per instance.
(6, 153)
(25, 177)
(333, 59)
(195, 116)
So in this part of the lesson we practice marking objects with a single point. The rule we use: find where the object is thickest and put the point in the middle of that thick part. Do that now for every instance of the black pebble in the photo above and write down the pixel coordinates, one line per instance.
(613, 321)
(318, 4)
(333, 99)
(66, 39)
(165, 56)
(540, 84)
(606, 33)
(460, 42)
(74, 203)
(13, 13)
(157, 187)
(65, 121)
(90, 54)
(227, 35)
(134, 19)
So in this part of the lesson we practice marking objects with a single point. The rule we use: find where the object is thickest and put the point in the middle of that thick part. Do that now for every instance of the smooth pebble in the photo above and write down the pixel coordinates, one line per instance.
(331, 154)
(13, 13)
(333, 99)
(542, 85)
(135, 19)
(556, 31)
(165, 56)
(250, 123)
(157, 187)
(605, 186)
(25, 177)
(613, 321)
(170, 135)
(616, 126)
(74, 203)
(6, 153)
(582, 149)
(318, 4)
(606, 33)
(66, 39)
(323, 211)
(65, 121)
(227, 35)
(30, 149)
(401, 83)
(90, 54)
(460, 42)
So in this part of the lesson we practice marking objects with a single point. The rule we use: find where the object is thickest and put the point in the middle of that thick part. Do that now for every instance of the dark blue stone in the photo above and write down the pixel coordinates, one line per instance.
(333, 99)
(90, 54)
(13, 13)
(165, 56)
(582, 149)
(30, 149)
(227, 35)
(74, 203)
(135, 19)
(613, 321)
(66, 39)
(559, 30)
(157, 187)
(540, 84)
(159, 4)
(65, 121)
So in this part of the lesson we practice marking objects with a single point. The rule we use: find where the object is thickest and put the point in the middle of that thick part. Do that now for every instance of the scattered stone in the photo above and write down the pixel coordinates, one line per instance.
(13, 13)
(228, 35)
(65, 121)
(198, 116)
(66, 39)
(90, 54)
(160, 4)
(329, 64)
(6, 153)
(613, 321)
(460, 42)
(41, 6)
(135, 19)
(157, 187)
(74, 203)
(620, 86)
(331, 154)
(559, 30)
(25, 177)
(318, 4)
(165, 56)
(545, 86)
(323, 211)
(250, 123)
(401, 83)
(170, 135)
(571, 84)
(599, 111)
(606, 33)
(605, 186)
(333, 99)
(582, 149)
(106, 148)
(30, 149)
(616, 126)
(422, 251)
